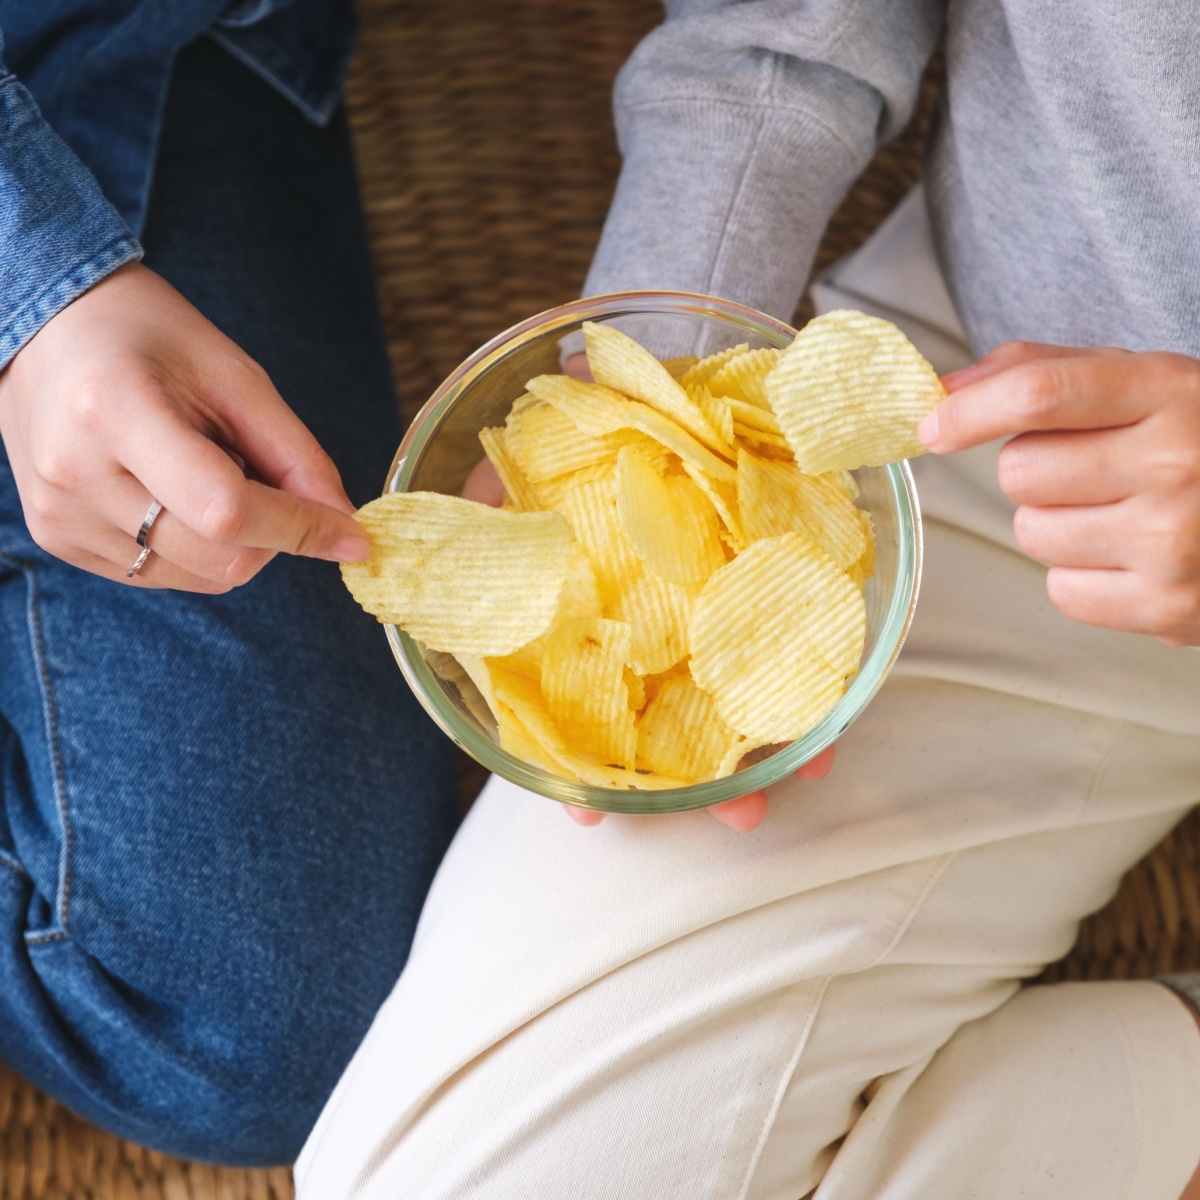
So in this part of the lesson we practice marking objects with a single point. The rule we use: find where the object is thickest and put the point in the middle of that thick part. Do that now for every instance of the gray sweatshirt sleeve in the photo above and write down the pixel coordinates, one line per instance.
(742, 124)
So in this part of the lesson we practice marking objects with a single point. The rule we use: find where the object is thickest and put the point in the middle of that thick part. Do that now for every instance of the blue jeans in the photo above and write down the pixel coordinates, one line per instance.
(219, 815)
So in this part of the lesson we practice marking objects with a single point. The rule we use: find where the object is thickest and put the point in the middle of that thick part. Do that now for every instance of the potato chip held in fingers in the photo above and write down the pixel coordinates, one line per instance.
(460, 576)
(849, 391)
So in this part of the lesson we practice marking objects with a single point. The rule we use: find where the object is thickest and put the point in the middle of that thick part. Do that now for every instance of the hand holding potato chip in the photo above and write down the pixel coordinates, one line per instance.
(1105, 463)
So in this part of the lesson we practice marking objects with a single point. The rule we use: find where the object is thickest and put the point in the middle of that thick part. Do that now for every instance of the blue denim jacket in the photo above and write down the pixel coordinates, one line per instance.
(81, 100)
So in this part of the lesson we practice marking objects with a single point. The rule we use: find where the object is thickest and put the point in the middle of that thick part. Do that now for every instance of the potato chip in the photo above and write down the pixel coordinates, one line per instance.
(517, 488)
(777, 497)
(591, 510)
(636, 685)
(460, 576)
(773, 636)
(761, 439)
(682, 734)
(527, 731)
(598, 410)
(715, 408)
(618, 362)
(864, 568)
(655, 453)
(544, 444)
(480, 703)
(846, 482)
(753, 418)
(663, 430)
(595, 410)
(653, 684)
(657, 612)
(675, 367)
(516, 738)
(706, 368)
(583, 681)
(668, 522)
(849, 392)
(723, 498)
(741, 378)
(552, 492)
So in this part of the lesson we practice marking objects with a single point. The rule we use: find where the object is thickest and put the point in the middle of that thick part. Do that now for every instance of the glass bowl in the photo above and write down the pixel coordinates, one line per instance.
(441, 447)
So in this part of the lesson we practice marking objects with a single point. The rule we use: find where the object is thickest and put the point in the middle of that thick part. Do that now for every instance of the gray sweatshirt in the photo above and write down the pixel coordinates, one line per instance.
(1063, 174)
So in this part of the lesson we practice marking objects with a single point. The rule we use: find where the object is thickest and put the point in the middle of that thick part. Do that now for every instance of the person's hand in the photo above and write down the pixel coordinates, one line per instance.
(1104, 462)
(129, 395)
(743, 813)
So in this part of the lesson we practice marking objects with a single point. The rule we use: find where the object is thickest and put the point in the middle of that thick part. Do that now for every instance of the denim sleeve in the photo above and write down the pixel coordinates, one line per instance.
(58, 233)
(742, 123)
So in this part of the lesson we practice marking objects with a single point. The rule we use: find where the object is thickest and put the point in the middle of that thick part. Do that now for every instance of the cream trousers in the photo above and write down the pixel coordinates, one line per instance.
(663, 1009)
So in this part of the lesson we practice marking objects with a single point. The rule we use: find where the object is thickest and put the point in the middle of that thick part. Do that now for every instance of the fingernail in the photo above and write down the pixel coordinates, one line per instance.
(351, 550)
(927, 431)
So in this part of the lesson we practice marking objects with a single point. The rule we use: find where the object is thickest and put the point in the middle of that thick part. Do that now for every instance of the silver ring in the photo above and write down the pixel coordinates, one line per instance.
(138, 563)
(148, 522)
(142, 534)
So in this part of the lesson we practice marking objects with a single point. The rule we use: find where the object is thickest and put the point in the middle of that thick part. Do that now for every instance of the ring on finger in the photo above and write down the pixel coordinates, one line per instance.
(142, 534)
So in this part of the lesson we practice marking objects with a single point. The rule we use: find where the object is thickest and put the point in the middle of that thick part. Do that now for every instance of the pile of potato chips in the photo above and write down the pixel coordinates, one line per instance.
(675, 576)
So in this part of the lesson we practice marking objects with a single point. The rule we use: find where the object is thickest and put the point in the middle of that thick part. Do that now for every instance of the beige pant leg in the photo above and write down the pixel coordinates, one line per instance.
(1080, 1091)
(665, 1009)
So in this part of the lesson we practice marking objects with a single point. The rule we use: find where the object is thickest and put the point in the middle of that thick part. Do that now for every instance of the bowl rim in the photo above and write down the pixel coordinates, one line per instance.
(862, 687)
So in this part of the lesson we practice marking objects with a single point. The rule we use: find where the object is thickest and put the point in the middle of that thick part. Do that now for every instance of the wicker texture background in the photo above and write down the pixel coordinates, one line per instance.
(487, 161)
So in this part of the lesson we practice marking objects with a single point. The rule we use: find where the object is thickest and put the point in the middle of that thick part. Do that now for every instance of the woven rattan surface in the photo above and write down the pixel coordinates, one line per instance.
(487, 159)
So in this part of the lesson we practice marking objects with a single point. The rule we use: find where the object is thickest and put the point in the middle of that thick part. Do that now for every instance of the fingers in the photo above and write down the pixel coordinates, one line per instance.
(1089, 467)
(483, 485)
(1127, 601)
(201, 486)
(98, 546)
(1157, 537)
(270, 438)
(819, 767)
(583, 816)
(743, 814)
(577, 367)
(1009, 354)
(1099, 389)
(174, 542)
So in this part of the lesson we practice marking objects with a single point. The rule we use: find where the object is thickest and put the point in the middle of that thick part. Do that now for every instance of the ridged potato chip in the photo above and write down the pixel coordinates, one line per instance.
(583, 680)
(516, 487)
(706, 368)
(597, 410)
(741, 378)
(682, 734)
(777, 497)
(675, 367)
(669, 523)
(460, 576)
(618, 362)
(657, 613)
(849, 392)
(774, 635)
(545, 444)
(753, 418)
(773, 443)
(715, 408)
(591, 510)
(723, 498)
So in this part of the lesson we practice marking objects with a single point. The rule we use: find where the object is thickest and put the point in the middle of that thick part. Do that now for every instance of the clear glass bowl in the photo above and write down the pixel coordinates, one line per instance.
(441, 447)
